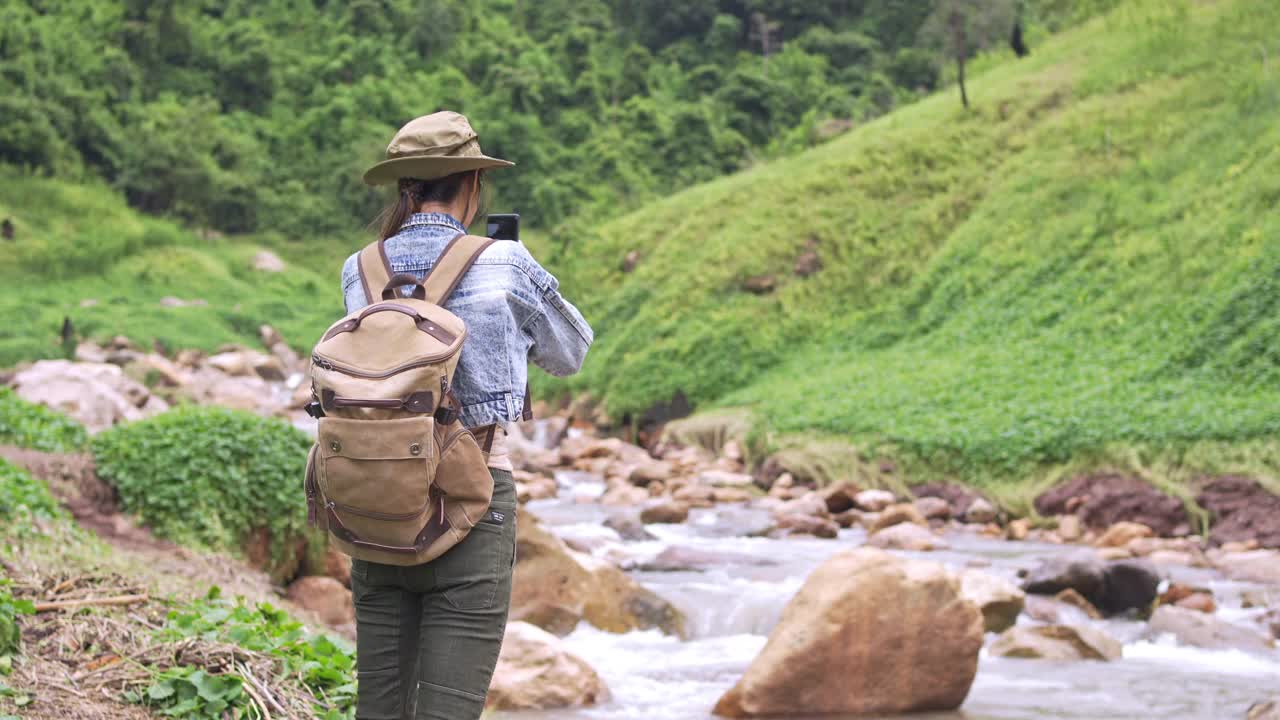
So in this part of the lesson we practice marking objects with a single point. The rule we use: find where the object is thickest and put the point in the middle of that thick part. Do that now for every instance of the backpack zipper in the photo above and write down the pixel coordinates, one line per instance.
(373, 514)
(326, 364)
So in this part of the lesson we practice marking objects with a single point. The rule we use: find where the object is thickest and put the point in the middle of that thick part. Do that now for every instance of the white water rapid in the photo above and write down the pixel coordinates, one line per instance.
(733, 604)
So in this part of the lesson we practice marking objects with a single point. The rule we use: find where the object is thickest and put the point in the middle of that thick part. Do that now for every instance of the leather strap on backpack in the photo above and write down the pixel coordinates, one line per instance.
(375, 270)
(454, 262)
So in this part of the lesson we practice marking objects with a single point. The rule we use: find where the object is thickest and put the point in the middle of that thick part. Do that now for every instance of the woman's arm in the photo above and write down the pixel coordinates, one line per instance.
(352, 290)
(560, 335)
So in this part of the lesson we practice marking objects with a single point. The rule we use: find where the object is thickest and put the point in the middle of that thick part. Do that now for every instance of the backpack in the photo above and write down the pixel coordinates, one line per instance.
(393, 475)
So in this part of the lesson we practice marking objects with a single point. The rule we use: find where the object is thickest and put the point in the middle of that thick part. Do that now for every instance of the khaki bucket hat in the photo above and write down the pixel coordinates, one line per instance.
(431, 147)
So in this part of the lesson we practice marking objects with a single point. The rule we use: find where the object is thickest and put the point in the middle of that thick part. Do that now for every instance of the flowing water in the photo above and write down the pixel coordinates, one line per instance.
(733, 604)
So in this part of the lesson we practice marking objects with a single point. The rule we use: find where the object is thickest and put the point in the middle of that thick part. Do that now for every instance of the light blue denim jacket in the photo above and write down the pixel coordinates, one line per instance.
(513, 311)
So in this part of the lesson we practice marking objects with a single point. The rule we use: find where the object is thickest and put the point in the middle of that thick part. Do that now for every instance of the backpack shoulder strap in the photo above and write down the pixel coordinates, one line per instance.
(454, 262)
(375, 270)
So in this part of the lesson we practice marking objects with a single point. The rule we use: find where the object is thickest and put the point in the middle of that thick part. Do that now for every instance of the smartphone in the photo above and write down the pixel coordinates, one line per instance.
(503, 226)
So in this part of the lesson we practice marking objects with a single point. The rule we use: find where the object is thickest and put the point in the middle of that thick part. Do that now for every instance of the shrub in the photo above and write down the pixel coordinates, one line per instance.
(10, 634)
(209, 476)
(32, 426)
(20, 493)
(325, 668)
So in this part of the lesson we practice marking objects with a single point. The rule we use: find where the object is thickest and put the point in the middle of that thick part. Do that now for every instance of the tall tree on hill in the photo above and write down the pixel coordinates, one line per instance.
(765, 32)
(960, 29)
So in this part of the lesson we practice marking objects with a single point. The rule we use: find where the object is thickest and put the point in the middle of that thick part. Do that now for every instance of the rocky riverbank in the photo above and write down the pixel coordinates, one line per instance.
(679, 547)
(1081, 592)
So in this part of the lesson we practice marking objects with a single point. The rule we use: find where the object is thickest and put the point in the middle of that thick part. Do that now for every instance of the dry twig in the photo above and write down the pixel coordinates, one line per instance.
(70, 604)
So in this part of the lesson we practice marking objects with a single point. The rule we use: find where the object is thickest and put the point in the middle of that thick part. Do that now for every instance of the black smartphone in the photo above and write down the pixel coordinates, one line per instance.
(503, 226)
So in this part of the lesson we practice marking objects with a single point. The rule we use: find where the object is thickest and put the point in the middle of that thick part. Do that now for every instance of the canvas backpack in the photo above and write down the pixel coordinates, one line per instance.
(394, 476)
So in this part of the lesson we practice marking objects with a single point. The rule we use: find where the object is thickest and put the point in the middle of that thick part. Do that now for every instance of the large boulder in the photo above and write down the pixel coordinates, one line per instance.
(795, 524)
(725, 479)
(248, 363)
(326, 597)
(1265, 710)
(999, 600)
(214, 387)
(895, 514)
(1123, 533)
(1199, 629)
(1259, 566)
(665, 511)
(839, 497)
(588, 448)
(933, 508)
(1103, 500)
(624, 496)
(1056, 642)
(1128, 585)
(905, 536)
(981, 511)
(1112, 587)
(867, 633)
(337, 565)
(535, 672)
(163, 370)
(1082, 573)
(555, 587)
(810, 504)
(98, 395)
(651, 471)
(958, 497)
(698, 496)
(873, 500)
(1242, 510)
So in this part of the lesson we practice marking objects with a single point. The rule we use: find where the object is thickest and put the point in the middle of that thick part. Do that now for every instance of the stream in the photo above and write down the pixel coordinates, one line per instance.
(733, 604)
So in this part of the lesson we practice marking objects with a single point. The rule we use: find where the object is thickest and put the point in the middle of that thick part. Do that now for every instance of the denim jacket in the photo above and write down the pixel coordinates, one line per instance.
(513, 311)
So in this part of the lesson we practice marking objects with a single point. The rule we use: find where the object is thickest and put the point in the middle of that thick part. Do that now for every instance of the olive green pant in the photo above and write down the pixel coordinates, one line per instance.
(428, 636)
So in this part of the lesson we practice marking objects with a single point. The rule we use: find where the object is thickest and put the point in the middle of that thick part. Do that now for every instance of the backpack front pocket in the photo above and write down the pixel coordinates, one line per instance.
(376, 476)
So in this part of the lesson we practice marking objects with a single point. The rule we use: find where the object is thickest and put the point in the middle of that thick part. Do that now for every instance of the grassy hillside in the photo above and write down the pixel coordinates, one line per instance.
(1087, 262)
(80, 253)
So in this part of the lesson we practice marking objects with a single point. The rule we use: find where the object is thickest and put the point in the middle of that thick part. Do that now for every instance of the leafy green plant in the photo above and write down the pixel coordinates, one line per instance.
(210, 476)
(188, 692)
(19, 699)
(326, 668)
(36, 427)
(11, 609)
(22, 495)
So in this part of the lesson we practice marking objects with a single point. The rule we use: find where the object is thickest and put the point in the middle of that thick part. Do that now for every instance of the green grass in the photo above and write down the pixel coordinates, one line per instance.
(23, 499)
(1083, 268)
(81, 253)
(28, 425)
(1088, 260)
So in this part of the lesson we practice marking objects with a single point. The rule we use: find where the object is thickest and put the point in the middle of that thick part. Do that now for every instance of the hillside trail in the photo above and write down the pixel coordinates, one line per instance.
(162, 565)
(64, 650)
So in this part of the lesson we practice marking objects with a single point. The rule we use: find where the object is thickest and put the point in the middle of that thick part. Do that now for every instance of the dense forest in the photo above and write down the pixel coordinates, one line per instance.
(242, 116)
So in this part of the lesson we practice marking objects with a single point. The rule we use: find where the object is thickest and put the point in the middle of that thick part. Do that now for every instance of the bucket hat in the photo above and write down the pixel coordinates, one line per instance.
(431, 147)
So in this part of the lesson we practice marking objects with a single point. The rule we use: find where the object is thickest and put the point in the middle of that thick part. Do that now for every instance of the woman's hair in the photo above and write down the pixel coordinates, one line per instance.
(415, 192)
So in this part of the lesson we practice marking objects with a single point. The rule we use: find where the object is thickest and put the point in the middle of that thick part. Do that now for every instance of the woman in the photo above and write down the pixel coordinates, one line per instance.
(428, 635)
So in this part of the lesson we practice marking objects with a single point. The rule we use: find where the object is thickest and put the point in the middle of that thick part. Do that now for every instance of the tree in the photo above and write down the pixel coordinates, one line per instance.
(960, 29)
(765, 32)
